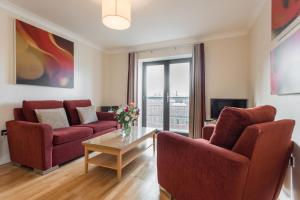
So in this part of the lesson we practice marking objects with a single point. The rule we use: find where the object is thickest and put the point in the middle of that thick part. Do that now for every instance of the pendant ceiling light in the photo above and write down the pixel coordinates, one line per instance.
(116, 14)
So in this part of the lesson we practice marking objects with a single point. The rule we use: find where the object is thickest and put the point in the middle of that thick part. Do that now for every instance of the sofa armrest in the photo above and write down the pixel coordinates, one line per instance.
(106, 116)
(194, 169)
(30, 144)
(207, 131)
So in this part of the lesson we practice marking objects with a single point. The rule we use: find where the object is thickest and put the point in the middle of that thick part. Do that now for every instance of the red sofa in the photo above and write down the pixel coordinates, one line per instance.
(195, 169)
(36, 145)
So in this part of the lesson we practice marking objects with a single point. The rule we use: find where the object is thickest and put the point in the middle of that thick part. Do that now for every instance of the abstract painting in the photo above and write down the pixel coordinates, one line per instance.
(284, 13)
(285, 66)
(42, 58)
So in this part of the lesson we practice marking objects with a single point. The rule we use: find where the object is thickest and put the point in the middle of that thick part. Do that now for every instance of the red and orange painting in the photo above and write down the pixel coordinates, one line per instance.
(284, 12)
(43, 58)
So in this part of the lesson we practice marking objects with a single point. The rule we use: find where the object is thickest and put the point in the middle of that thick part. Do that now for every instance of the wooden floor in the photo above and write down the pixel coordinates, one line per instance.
(139, 182)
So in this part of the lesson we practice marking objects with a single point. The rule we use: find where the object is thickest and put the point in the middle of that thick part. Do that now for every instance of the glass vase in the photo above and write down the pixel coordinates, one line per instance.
(126, 129)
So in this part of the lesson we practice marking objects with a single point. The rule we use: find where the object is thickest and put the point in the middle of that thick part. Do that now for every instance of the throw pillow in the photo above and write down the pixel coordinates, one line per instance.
(56, 118)
(233, 121)
(87, 114)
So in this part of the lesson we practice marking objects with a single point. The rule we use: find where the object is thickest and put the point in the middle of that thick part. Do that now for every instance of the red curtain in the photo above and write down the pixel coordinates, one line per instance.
(131, 84)
(197, 92)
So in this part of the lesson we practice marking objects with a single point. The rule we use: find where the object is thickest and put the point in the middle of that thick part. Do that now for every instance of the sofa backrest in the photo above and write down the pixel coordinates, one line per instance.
(26, 113)
(268, 146)
(18, 114)
(70, 107)
(29, 106)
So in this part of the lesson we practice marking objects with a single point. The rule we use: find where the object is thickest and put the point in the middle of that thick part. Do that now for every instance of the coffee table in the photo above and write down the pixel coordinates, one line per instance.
(116, 151)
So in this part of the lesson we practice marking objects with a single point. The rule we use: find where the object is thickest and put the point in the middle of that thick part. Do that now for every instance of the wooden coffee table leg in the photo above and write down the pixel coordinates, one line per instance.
(86, 158)
(119, 166)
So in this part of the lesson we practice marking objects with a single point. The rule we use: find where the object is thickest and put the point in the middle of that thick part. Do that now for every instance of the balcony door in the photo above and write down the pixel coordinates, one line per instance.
(166, 94)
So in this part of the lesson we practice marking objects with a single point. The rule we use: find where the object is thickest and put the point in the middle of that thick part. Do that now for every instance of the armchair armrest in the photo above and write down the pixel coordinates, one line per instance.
(196, 170)
(207, 131)
(106, 116)
(30, 144)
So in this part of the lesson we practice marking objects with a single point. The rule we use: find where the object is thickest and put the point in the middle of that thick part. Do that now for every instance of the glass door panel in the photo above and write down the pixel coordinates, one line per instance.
(166, 95)
(154, 94)
(179, 77)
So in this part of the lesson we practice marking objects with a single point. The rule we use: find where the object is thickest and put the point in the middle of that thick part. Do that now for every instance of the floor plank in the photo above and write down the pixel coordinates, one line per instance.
(139, 182)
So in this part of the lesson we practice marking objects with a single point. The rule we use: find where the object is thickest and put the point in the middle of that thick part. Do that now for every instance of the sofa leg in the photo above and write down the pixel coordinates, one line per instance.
(44, 172)
(166, 193)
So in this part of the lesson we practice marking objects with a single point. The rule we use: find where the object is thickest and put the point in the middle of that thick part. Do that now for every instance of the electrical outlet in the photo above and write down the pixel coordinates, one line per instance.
(3, 132)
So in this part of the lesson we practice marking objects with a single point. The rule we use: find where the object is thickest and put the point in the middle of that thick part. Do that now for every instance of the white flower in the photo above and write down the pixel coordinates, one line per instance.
(119, 111)
(127, 118)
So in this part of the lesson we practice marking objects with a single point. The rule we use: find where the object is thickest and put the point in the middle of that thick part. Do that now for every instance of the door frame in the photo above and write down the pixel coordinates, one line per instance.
(166, 97)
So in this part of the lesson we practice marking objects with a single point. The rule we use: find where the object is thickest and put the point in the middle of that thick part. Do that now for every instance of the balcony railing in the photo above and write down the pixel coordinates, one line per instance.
(179, 113)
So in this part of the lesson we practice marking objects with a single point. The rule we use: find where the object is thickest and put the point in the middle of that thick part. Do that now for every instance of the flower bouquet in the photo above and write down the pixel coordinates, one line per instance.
(126, 116)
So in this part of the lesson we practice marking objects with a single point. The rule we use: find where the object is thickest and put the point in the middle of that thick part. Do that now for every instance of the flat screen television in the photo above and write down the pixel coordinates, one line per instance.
(217, 105)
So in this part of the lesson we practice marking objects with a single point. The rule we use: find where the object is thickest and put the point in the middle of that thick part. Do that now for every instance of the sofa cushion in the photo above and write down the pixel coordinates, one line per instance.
(71, 106)
(87, 114)
(70, 134)
(56, 117)
(100, 125)
(233, 121)
(30, 106)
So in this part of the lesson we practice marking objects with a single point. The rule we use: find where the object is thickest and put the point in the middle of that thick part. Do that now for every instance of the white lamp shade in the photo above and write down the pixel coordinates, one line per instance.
(116, 14)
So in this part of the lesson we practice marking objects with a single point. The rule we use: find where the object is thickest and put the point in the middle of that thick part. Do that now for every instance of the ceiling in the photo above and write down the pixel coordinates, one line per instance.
(152, 20)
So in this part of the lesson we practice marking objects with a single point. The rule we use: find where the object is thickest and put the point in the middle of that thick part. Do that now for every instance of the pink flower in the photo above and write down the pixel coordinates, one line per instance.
(126, 109)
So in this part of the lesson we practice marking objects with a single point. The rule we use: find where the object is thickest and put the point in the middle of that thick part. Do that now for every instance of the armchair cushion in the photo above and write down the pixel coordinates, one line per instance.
(30, 106)
(72, 113)
(233, 121)
(70, 134)
(100, 125)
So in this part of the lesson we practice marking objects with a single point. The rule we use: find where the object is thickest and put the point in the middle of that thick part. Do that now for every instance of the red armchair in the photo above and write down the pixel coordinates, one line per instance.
(38, 146)
(254, 169)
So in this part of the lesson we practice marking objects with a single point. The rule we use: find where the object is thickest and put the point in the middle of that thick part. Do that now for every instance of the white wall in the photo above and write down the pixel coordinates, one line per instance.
(116, 72)
(227, 69)
(287, 106)
(227, 72)
(88, 79)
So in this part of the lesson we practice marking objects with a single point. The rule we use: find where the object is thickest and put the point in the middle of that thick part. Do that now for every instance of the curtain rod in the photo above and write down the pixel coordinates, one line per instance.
(162, 48)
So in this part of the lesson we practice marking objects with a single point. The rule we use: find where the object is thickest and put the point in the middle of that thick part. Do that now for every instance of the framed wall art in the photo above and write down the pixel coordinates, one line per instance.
(285, 65)
(43, 58)
(285, 15)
